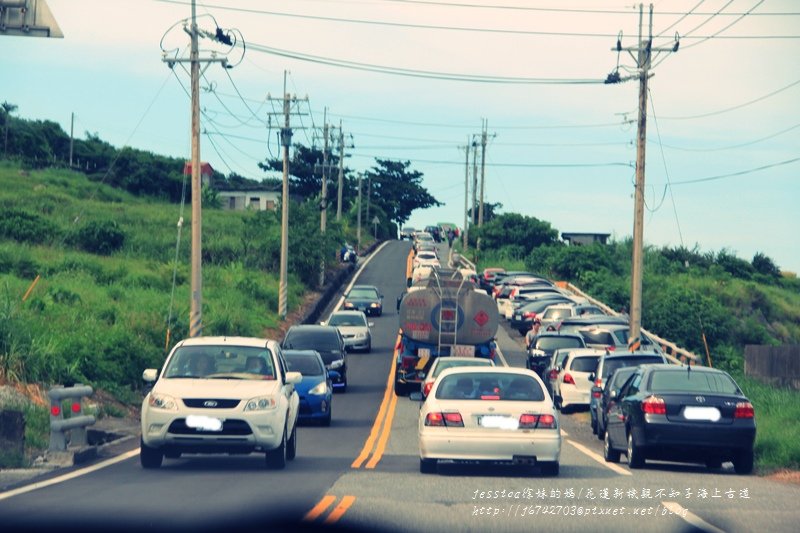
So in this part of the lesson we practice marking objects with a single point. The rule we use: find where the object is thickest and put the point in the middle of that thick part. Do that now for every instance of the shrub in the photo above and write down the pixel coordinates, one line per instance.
(99, 237)
(22, 226)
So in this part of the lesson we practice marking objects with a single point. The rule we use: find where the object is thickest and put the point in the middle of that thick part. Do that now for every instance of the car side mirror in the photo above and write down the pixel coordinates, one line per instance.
(592, 376)
(371, 324)
(323, 323)
(416, 396)
(333, 375)
(613, 394)
(294, 378)
(150, 375)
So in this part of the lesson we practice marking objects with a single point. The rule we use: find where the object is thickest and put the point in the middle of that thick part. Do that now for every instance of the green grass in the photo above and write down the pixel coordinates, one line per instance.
(778, 433)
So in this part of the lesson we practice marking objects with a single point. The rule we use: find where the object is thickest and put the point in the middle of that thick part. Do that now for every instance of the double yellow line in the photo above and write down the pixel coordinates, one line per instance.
(382, 427)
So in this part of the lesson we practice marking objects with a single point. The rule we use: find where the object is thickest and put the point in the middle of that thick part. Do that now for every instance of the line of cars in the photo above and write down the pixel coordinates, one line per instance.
(640, 405)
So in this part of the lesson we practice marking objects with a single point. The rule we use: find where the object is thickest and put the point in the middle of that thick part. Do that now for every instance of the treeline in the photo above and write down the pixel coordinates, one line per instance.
(687, 293)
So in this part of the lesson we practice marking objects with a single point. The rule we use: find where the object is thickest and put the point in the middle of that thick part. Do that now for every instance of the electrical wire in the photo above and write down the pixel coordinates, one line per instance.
(740, 173)
(739, 106)
(253, 113)
(688, 13)
(733, 146)
(726, 27)
(668, 187)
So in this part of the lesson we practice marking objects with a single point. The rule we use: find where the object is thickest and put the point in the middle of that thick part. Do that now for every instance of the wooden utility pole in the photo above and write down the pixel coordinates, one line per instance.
(341, 174)
(358, 228)
(71, 137)
(484, 124)
(466, 198)
(196, 310)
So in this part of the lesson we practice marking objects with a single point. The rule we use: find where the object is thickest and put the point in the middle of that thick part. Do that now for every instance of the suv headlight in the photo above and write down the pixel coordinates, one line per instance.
(361, 336)
(162, 401)
(262, 403)
(320, 389)
(337, 364)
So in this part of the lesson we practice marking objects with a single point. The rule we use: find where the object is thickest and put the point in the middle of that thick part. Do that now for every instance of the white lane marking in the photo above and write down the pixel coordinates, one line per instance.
(67, 477)
(611, 466)
(500, 354)
(690, 517)
(355, 278)
(564, 433)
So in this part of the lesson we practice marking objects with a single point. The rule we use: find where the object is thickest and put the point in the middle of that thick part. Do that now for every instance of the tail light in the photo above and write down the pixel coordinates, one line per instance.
(426, 389)
(597, 394)
(409, 362)
(610, 348)
(444, 420)
(528, 421)
(653, 405)
(568, 379)
(553, 375)
(744, 410)
(529, 314)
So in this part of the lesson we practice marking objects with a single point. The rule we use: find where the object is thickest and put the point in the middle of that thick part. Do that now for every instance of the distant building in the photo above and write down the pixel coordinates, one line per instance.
(581, 239)
(205, 172)
(241, 200)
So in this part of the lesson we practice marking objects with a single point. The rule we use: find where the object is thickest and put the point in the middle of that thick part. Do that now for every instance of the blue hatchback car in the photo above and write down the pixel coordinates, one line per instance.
(315, 390)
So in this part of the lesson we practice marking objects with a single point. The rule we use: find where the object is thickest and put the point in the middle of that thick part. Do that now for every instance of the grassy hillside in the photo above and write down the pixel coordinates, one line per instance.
(105, 259)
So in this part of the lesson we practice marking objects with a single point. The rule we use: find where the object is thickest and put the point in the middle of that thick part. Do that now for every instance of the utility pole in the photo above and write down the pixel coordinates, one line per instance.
(466, 197)
(644, 56)
(196, 310)
(286, 142)
(473, 215)
(358, 227)
(484, 124)
(196, 297)
(369, 191)
(341, 174)
(323, 207)
(71, 137)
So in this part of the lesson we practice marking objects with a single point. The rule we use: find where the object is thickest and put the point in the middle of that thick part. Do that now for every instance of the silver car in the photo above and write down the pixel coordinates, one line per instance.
(354, 327)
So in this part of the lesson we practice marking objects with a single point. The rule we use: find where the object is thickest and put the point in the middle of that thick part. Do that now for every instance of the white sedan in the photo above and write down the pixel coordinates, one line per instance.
(221, 395)
(497, 414)
(426, 259)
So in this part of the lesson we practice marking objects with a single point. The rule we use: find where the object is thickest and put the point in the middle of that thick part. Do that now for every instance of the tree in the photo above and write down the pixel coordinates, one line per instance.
(397, 191)
(513, 229)
(8, 108)
(305, 177)
(765, 265)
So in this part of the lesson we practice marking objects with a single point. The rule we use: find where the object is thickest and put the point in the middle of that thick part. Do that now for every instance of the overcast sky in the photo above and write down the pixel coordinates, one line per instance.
(723, 114)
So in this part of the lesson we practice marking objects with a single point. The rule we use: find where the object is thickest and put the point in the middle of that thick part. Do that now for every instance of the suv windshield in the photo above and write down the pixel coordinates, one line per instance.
(220, 362)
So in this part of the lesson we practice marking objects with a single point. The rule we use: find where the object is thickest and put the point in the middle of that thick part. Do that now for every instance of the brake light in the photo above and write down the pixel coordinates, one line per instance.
(426, 389)
(596, 394)
(529, 314)
(409, 362)
(610, 348)
(653, 405)
(568, 379)
(744, 410)
(553, 375)
(528, 421)
(598, 383)
(444, 419)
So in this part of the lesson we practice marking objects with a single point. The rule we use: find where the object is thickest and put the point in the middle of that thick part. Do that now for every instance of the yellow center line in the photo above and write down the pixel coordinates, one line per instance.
(387, 430)
(340, 509)
(320, 508)
(376, 426)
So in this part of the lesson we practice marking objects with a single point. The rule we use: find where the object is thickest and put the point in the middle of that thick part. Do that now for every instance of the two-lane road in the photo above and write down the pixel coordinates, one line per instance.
(362, 472)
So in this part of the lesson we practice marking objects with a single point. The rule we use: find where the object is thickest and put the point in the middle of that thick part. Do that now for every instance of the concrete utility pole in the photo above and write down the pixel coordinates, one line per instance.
(473, 218)
(323, 217)
(358, 227)
(643, 58)
(485, 123)
(71, 137)
(196, 297)
(369, 192)
(466, 197)
(341, 173)
(196, 310)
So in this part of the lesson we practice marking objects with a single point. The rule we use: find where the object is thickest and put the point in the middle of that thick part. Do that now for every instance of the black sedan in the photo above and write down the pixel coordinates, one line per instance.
(681, 413)
(366, 298)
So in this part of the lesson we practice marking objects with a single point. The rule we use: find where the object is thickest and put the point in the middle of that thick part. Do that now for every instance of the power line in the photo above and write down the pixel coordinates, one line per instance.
(421, 73)
(721, 111)
(740, 173)
(668, 187)
(733, 146)
(726, 27)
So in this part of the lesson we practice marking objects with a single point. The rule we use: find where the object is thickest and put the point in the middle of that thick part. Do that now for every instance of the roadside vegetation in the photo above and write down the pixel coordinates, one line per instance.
(687, 294)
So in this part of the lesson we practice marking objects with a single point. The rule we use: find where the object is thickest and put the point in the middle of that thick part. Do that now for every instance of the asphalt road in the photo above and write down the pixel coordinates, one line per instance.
(362, 474)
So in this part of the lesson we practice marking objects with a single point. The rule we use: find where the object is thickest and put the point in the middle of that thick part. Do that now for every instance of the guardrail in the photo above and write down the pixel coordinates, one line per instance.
(75, 424)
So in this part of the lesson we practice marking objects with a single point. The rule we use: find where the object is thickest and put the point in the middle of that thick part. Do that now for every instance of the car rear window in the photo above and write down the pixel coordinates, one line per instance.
(443, 364)
(598, 337)
(684, 380)
(584, 363)
(490, 386)
(311, 340)
(346, 320)
(612, 364)
(555, 314)
(550, 344)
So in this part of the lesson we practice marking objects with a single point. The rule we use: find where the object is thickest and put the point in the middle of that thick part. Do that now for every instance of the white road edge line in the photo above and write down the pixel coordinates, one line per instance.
(500, 354)
(67, 477)
(692, 518)
(358, 273)
(601, 460)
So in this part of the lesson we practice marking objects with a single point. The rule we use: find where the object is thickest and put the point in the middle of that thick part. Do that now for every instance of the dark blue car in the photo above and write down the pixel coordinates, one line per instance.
(316, 390)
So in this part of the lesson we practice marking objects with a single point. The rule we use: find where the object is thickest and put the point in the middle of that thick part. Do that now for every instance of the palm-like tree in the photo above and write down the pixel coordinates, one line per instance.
(8, 108)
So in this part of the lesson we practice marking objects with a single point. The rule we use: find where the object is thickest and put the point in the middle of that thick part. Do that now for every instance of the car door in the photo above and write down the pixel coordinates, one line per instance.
(616, 416)
(289, 392)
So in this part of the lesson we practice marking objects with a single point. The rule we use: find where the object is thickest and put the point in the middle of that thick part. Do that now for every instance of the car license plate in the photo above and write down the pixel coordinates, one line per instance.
(497, 421)
(204, 423)
(464, 350)
(701, 413)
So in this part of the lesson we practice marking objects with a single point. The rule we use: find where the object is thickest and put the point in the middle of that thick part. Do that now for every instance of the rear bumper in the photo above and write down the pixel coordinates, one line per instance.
(544, 445)
(661, 435)
(572, 396)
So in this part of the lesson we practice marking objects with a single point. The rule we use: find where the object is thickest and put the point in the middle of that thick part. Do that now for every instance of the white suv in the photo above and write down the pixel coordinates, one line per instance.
(221, 395)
